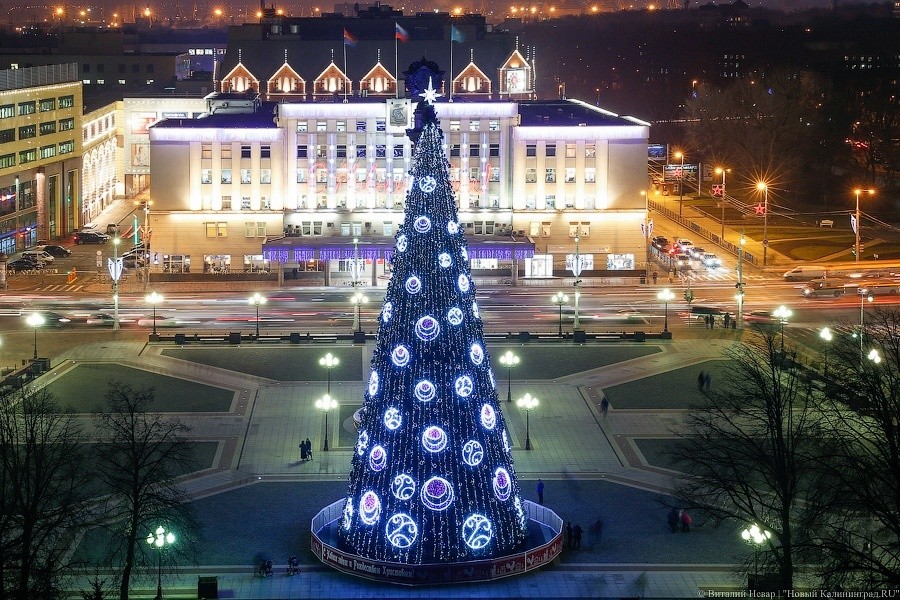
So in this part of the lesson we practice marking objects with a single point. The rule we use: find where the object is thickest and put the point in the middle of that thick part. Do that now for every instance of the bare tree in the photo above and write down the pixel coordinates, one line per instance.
(42, 483)
(146, 453)
(750, 452)
(861, 534)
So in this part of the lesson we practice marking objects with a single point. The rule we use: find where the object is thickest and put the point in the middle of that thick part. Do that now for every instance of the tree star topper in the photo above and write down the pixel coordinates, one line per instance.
(430, 94)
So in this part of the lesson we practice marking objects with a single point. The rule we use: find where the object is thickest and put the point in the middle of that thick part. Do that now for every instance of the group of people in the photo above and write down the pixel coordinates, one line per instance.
(305, 450)
(679, 520)
(573, 536)
(727, 321)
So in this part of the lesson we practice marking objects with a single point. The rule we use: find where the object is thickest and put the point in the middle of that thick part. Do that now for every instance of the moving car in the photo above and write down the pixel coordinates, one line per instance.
(99, 319)
(804, 273)
(684, 244)
(659, 242)
(828, 287)
(683, 260)
(51, 319)
(711, 261)
(38, 256)
(91, 237)
(161, 321)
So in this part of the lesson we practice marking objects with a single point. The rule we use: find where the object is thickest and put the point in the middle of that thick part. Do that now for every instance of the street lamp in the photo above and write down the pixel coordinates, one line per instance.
(826, 336)
(329, 361)
(527, 402)
(509, 360)
(153, 299)
(874, 356)
(859, 191)
(722, 171)
(255, 300)
(576, 271)
(764, 188)
(560, 299)
(35, 320)
(757, 536)
(145, 239)
(115, 271)
(864, 295)
(740, 284)
(782, 313)
(160, 540)
(357, 299)
(680, 155)
(665, 296)
(325, 404)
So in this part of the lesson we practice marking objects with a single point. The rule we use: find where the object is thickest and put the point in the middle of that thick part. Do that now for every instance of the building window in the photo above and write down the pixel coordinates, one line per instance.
(550, 175)
(321, 125)
(66, 101)
(531, 150)
(27, 156)
(360, 151)
(494, 150)
(590, 151)
(494, 175)
(585, 230)
(534, 229)
(206, 151)
(454, 125)
(245, 175)
(226, 151)
(27, 108)
(66, 147)
(205, 175)
(245, 202)
(301, 127)
(530, 175)
(341, 151)
(28, 131)
(570, 175)
(265, 175)
(261, 229)
(570, 201)
(340, 126)
(67, 124)
(7, 111)
(301, 175)
(302, 152)
(250, 229)
(7, 135)
(493, 125)
(48, 127)
(550, 200)
(226, 176)
(48, 104)
(530, 203)
(454, 149)
(380, 151)
(321, 151)
(48, 151)
(550, 150)
(398, 151)
(387, 229)
(7, 160)
(216, 229)
(380, 125)
(361, 126)
(474, 151)
(474, 125)
(590, 175)
(265, 151)
(265, 203)
(570, 151)
(246, 152)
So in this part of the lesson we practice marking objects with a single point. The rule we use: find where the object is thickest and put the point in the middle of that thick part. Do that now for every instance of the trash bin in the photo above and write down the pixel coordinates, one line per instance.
(295, 338)
(234, 337)
(359, 337)
(207, 587)
(180, 338)
(524, 336)
(640, 336)
(579, 336)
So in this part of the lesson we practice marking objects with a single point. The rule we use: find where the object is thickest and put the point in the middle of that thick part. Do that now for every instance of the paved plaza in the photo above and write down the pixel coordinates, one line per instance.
(249, 406)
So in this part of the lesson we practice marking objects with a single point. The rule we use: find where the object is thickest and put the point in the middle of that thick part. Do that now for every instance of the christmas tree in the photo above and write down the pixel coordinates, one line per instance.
(432, 477)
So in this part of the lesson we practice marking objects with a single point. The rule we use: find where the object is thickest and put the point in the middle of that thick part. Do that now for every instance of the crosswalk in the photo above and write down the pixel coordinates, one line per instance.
(62, 287)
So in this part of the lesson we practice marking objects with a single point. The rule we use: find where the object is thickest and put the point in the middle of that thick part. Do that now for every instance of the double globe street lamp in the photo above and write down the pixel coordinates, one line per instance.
(509, 360)
(153, 299)
(255, 300)
(560, 299)
(665, 296)
(35, 320)
(329, 361)
(160, 540)
(326, 403)
(527, 402)
(782, 313)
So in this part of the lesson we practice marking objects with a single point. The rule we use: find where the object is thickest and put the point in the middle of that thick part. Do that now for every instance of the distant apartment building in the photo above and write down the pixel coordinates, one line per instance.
(40, 155)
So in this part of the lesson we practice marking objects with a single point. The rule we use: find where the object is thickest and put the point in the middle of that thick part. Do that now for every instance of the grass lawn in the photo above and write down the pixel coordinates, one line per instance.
(550, 362)
(280, 364)
(672, 389)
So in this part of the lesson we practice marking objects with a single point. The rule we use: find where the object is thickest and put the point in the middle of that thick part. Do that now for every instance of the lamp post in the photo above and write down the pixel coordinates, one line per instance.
(35, 320)
(329, 361)
(509, 360)
(874, 356)
(665, 296)
(864, 296)
(782, 313)
(859, 191)
(560, 299)
(826, 336)
(357, 299)
(764, 188)
(680, 155)
(325, 404)
(739, 296)
(145, 240)
(153, 299)
(576, 271)
(160, 540)
(756, 536)
(115, 272)
(255, 300)
(527, 402)
(722, 170)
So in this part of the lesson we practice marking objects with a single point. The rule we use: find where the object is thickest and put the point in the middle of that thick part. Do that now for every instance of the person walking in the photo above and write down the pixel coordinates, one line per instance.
(568, 541)
(655, 277)
(701, 379)
(707, 381)
(308, 449)
(302, 450)
(604, 406)
(674, 519)
(577, 532)
(540, 491)
(686, 521)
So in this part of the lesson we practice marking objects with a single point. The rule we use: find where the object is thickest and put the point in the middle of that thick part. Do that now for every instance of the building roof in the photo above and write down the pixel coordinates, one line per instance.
(262, 118)
(567, 113)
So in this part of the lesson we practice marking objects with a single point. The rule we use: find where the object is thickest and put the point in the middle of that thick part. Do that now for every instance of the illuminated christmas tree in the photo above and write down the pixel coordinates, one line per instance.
(432, 477)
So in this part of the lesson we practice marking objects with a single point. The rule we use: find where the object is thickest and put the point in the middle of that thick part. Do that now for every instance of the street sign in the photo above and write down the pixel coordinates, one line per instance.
(115, 267)
(853, 223)
(718, 190)
(99, 259)
(678, 172)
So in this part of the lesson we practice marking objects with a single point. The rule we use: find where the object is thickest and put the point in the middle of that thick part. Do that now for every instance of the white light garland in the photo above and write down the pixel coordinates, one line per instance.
(425, 391)
(369, 508)
(392, 418)
(403, 487)
(463, 386)
(413, 285)
(455, 316)
(427, 328)
(488, 417)
(373, 383)
(434, 439)
(476, 354)
(401, 531)
(502, 484)
(444, 260)
(477, 531)
(400, 356)
(463, 283)
(386, 311)
(422, 224)
(427, 184)
(402, 242)
(362, 442)
(472, 453)
(437, 494)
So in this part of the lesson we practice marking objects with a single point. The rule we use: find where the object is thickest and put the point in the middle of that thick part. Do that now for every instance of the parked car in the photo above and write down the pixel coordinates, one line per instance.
(38, 256)
(21, 264)
(112, 229)
(91, 237)
(55, 251)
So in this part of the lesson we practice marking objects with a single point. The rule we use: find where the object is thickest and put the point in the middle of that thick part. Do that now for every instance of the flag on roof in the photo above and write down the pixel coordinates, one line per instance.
(400, 33)
(349, 39)
(457, 35)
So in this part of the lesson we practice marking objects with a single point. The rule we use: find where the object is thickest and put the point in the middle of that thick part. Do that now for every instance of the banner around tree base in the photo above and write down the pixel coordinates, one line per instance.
(542, 546)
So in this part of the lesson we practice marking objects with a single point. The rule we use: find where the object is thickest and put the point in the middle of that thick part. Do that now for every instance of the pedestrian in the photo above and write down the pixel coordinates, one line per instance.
(302, 451)
(686, 521)
(308, 449)
(701, 379)
(596, 531)
(540, 491)
(577, 532)
(727, 318)
(674, 519)
(568, 540)
(707, 381)
(655, 277)
(604, 406)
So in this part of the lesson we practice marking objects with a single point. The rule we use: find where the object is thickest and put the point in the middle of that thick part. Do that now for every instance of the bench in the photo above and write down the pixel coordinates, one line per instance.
(826, 223)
